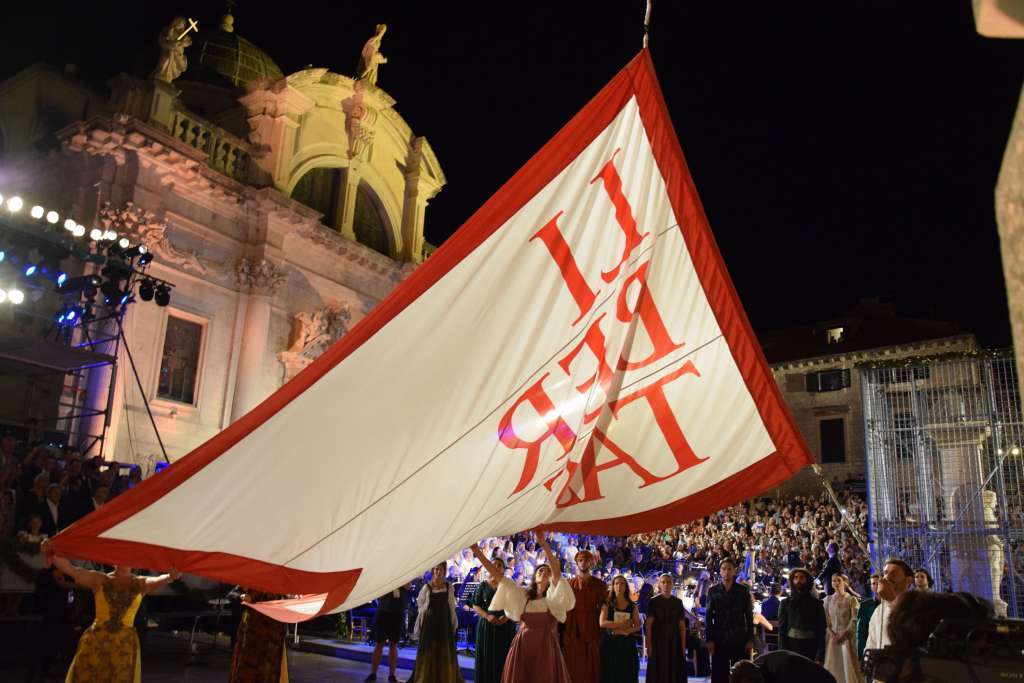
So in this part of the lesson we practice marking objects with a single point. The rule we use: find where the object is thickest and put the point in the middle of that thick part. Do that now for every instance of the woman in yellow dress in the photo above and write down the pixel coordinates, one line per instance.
(108, 651)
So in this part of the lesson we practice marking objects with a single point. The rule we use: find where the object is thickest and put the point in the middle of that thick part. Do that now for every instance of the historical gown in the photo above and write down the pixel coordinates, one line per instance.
(259, 655)
(841, 619)
(436, 624)
(492, 642)
(619, 660)
(582, 636)
(108, 651)
(535, 656)
(668, 662)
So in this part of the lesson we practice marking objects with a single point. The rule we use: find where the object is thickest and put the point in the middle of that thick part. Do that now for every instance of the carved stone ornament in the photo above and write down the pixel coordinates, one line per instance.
(259, 276)
(312, 334)
(359, 121)
(142, 225)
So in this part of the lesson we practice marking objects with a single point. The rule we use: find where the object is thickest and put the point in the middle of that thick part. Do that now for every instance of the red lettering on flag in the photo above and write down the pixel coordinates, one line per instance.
(612, 183)
(649, 316)
(556, 427)
(566, 262)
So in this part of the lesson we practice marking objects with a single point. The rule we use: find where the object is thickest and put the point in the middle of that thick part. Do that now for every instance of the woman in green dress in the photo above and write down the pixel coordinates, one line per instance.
(621, 621)
(494, 630)
(436, 623)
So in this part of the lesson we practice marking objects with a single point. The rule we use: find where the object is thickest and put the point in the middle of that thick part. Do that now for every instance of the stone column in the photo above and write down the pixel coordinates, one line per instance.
(347, 195)
(259, 280)
(420, 188)
(962, 474)
(1010, 218)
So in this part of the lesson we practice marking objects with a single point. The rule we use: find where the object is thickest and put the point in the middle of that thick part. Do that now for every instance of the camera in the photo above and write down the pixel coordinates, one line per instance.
(968, 650)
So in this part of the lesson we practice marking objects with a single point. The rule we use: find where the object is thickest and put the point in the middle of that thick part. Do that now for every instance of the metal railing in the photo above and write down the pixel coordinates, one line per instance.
(943, 458)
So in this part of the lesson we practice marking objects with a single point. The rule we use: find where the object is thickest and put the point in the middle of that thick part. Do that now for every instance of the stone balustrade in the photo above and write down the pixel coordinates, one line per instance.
(225, 152)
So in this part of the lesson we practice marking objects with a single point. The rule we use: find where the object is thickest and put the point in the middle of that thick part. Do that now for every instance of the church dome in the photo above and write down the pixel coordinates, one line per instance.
(222, 57)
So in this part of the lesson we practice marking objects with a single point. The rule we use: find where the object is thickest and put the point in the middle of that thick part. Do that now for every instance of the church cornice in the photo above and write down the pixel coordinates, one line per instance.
(177, 162)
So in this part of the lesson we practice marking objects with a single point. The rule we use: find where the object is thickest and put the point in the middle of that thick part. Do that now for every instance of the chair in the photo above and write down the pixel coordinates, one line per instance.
(360, 628)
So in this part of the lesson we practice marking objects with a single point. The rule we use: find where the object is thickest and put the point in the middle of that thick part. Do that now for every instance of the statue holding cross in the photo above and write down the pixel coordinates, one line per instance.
(173, 41)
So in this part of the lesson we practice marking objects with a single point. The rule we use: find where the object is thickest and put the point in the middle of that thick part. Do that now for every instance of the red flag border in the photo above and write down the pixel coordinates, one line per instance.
(81, 540)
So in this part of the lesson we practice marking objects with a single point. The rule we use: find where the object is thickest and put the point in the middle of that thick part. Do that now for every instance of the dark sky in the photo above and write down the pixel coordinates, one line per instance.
(841, 150)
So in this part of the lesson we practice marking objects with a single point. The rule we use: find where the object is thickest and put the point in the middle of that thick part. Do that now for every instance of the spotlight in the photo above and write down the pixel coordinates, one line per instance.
(110, 235)
(16, 296)
(69, 224)
(145, 259)
(111, 292)
(146, 290)
(95, 234)
(1, 199)
(61, 279)
(162, 295)
(79, 230)
(84, 283)
(14, 204)
(3, 255)
(3, 295)
(70, 315)
(52, 217)
(37, 212)
(123, 243)
(30, 270)
(137, 250)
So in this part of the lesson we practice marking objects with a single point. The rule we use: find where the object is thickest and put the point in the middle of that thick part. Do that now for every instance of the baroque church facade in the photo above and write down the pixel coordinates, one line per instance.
(282, 208)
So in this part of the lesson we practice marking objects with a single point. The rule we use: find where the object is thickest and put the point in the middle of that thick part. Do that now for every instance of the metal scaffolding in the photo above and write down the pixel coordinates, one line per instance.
(943, 448)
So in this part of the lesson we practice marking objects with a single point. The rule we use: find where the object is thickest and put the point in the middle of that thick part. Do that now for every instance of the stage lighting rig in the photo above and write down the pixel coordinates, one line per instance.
(162, 296)
(146, 290)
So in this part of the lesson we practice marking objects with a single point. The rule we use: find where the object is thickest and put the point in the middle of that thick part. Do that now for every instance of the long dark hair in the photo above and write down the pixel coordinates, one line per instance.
(613, 602)
(531, 592)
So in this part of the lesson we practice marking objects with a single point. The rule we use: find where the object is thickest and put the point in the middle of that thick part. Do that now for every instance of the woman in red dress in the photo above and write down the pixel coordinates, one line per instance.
(535, 656)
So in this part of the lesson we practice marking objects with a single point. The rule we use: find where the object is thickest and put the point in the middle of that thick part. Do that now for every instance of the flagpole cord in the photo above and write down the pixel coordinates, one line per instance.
(647, 23)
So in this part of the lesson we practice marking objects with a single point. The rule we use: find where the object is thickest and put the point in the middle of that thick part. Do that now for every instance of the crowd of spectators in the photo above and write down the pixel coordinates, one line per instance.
(44, 489)
(767, 536)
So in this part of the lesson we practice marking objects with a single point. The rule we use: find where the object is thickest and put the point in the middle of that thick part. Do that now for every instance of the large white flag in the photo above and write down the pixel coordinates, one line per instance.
(575, 358)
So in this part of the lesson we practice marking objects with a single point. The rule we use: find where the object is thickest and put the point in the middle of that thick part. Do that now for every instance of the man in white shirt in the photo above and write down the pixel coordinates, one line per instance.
(897, 577)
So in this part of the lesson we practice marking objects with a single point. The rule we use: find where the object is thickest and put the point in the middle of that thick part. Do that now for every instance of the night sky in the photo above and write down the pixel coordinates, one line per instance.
(841, 150)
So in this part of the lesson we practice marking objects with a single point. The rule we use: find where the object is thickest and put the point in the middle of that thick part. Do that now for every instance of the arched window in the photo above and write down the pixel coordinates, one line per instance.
(319, 189)
(371, 223)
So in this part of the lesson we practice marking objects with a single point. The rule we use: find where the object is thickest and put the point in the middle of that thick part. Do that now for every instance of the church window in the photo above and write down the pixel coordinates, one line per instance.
(370, 224)
(179, 367)
(320, 190)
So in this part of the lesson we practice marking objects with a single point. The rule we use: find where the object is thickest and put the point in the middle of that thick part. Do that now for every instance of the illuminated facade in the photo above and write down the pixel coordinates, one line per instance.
(283, 208)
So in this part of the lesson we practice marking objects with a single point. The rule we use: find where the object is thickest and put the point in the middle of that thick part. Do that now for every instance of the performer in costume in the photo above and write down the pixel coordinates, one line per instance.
(841, 623)
(581, 639)
(494, 630)
(387, 628)
(802, 619)
(259, 655)
(666, 635)
(730, 622)
(108, 650)
(436, 624)
(534, 656)
(621, 619)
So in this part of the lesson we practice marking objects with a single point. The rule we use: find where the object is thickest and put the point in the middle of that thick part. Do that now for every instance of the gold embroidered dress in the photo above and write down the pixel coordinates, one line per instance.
(108, 651)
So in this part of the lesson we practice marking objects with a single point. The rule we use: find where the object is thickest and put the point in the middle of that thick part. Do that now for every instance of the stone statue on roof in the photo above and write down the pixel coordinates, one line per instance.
(371, 58)
(173, 40)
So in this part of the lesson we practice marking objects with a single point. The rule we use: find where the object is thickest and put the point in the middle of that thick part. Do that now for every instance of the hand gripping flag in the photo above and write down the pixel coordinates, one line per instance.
(575, 358)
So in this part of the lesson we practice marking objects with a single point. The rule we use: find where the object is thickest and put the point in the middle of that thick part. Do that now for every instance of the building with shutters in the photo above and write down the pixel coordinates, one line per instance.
(815, 367)
(283, 207)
